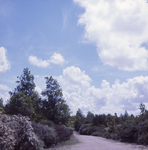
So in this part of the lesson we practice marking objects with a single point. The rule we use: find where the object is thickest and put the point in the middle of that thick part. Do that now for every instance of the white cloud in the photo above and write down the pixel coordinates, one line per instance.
(5, 97)
(79, 93)
(118, 28)
(57, 59)
(4, 87)
(4, 63)
(38, 62)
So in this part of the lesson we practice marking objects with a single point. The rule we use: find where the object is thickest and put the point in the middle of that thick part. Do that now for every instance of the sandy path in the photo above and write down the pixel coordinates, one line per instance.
(98, 143)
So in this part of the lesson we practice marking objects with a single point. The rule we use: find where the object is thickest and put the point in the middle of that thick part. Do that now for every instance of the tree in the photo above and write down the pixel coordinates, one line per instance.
(142, 108)
(1, 103)
(24, 99)
(89, 114)
(126, 114)
(79, 119)
(54, 106)
(25, 83)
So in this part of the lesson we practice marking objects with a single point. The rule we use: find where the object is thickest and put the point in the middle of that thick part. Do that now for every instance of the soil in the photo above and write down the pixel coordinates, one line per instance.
(83, 142)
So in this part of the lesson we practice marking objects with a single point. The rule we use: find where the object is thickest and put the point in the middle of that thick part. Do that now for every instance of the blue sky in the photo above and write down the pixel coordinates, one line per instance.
(97, 50)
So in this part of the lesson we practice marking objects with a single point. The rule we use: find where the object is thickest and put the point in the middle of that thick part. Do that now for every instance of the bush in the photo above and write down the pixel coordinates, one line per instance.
(87, 129)
(128, 133)
(47, 134)
(47, 122)
(143, 133)
(63, 132)
(16, 133)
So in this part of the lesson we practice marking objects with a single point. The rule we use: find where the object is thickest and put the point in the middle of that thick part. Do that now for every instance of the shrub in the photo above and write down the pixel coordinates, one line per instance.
(16, 133)
(47, 122)
(46, 134)
(127, 133)
(143, 133)
(63, 132)
(87, 129)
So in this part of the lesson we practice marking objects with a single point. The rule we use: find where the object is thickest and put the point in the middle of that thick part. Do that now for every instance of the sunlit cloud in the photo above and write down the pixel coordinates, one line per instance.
(4, 63)
(119, 30)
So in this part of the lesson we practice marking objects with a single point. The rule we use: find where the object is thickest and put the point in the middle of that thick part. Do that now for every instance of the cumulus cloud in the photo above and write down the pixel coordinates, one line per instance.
(119, 29)
(5, 96)
(38, 62)
(4, 63)
(56, 58)
(118, 97)
(4, 87)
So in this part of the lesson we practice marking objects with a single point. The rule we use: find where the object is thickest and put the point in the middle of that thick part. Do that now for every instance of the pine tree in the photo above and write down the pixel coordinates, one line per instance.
(54, 106)
(24, 99)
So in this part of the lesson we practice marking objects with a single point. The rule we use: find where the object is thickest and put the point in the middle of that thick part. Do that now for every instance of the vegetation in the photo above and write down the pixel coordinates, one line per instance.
(49, 114)
(125, 128)
(46, 112)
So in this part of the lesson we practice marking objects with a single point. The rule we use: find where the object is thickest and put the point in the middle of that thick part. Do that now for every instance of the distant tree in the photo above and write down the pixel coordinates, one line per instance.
(142, 108)
(126, 114)
(89, 114)
(99, 120)
(24, 99)
(1, 103)
(79, 119)
(54, 106)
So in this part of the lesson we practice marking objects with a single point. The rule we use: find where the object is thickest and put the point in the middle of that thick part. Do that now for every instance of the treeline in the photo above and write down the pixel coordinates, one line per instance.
(48, 111)
(126, 128)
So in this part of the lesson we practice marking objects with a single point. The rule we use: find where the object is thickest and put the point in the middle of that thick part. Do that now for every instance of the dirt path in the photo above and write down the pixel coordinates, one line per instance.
(98, 143)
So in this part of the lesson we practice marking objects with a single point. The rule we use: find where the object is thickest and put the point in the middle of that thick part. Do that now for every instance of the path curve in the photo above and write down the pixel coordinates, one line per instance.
(99, 143)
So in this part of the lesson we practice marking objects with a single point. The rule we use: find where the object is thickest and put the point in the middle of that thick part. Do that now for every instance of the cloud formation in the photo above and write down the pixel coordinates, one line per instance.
(79, 93)
(4, 63)
(56, 58)
(5, 96)
(119, 29)
(38, 62)
(4, 87)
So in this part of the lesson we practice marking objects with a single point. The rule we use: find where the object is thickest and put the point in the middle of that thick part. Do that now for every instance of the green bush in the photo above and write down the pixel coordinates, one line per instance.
(48, 123)
(143, 133)
(87, 129)
(63, 132)
(46, 134)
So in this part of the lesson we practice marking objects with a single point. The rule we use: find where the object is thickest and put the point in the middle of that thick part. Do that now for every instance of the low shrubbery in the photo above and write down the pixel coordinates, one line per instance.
(46, 134)
(124, 128)
(49, 136)
(63, 132)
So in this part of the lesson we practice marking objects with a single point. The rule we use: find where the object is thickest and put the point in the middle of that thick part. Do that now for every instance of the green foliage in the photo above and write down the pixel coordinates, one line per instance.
(54, 106)
(79, 119)
(63, 132)
(142, 108)
(24, 100)
(89, 114)
(20, 104)
(99, 119)
(46, 134)
(1, 103)
(71, 121)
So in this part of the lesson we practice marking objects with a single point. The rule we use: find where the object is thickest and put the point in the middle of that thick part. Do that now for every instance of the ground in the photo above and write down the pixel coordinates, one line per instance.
(83, 142)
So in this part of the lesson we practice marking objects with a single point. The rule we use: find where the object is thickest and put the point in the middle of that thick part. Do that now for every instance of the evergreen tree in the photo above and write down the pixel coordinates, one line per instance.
(1, 103)
(142, 108)
(54, 106)
(89, 114)
(79, 119)
(126, 114)
(24, 99)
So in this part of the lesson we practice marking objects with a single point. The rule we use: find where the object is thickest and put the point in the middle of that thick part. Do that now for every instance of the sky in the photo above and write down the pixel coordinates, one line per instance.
(97, 50)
